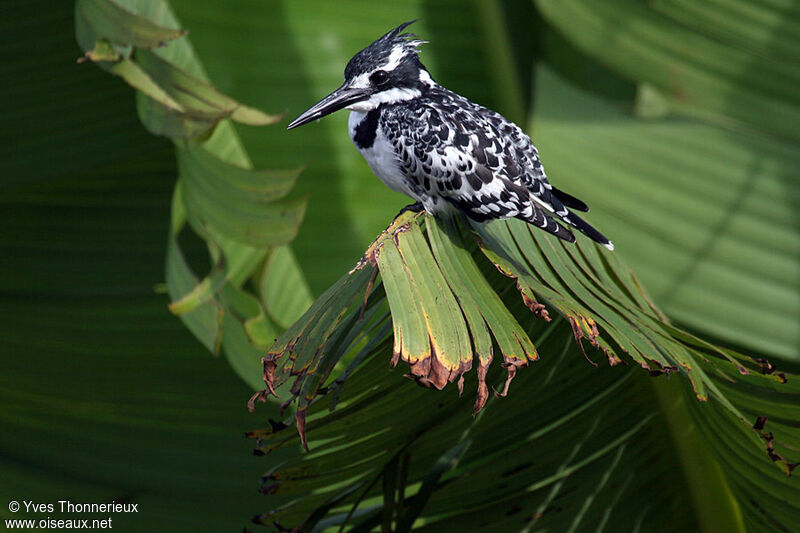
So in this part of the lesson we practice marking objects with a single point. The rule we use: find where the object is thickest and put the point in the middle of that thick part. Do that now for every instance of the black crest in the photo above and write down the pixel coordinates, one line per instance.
(378, 52)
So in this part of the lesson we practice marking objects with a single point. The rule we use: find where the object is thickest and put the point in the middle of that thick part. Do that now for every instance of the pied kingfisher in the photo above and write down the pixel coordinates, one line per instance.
(439, 148)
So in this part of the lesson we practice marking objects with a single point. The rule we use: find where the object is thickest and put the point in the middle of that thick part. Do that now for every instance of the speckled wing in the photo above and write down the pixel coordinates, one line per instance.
(474, 159)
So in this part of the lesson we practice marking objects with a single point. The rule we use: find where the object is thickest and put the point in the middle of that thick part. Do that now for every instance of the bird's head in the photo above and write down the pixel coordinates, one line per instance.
(386, 71)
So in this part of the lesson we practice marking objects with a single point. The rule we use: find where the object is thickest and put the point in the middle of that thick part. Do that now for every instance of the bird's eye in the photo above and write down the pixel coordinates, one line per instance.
(379, 77)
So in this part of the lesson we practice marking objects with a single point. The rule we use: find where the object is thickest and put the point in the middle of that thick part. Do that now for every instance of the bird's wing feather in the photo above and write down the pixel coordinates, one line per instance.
(474, 159)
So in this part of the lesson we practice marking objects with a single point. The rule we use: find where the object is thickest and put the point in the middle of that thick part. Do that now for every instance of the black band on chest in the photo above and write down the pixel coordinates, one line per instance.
(367, 129)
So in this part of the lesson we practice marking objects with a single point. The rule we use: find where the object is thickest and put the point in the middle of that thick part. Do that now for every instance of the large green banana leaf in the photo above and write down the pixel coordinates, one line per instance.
(600, 425)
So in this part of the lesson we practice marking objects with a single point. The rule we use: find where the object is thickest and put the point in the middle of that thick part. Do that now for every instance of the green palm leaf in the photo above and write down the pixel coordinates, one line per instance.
(598, 300)
(570, 446)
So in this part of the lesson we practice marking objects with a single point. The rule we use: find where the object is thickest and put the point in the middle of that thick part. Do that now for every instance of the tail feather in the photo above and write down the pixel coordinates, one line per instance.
(539, 219)
(556, 202)
(581, 225)
(569, 200)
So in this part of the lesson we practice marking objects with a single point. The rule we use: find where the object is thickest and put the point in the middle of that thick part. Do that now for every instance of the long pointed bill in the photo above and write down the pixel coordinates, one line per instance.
(338, 99)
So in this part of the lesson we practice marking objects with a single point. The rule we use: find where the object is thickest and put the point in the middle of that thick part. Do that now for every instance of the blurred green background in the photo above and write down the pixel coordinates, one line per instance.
(676, 121)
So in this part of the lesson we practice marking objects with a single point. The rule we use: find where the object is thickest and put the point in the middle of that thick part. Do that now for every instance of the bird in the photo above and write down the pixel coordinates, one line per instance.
(439, 148)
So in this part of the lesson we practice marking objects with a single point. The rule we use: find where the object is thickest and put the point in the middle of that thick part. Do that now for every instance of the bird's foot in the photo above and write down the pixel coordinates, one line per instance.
(416, 207)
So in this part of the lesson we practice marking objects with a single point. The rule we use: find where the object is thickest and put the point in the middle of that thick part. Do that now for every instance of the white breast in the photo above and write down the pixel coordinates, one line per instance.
(381, 158)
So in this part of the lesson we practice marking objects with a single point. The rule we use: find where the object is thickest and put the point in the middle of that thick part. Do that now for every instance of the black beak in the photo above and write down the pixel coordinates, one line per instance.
(338, 99)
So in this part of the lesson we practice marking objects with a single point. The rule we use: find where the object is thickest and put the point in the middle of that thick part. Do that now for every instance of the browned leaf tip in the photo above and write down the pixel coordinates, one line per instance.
(429, 371)
(613, 359)
(577, 332)
(254, 434)
(269, 365)
(766, 366)
(769, 368)
(539, 310)
(593, 336)
(662, 371)
(511, 368)
(420, 369)
(370, 256)
(300, 420)
(399, 225)
(483, 390)
(260, 396)
(439, 374)
(294, 392)
(269, 483)
(769, 439)
(269, 373)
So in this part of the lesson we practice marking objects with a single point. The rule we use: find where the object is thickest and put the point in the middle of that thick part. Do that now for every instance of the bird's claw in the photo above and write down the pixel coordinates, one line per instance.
(416, 207)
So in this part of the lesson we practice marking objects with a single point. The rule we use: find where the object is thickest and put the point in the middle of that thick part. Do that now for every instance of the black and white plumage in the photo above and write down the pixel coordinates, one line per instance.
(441, 149)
